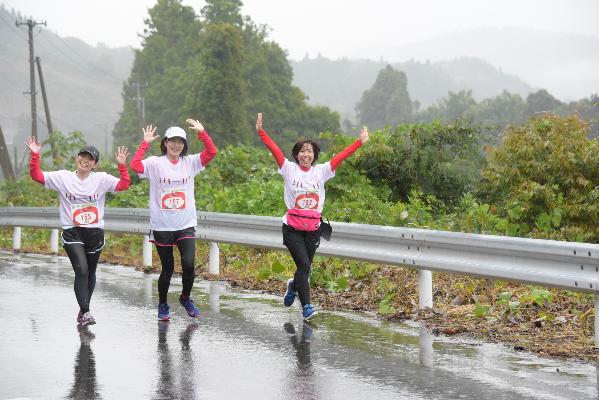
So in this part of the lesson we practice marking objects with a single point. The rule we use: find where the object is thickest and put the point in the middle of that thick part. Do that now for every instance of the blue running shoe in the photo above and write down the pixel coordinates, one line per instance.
(290, 294)
(308, 312)
(163, 312)
(191, 308)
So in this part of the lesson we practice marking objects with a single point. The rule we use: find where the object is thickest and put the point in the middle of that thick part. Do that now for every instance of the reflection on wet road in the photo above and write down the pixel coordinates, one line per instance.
(244, 345)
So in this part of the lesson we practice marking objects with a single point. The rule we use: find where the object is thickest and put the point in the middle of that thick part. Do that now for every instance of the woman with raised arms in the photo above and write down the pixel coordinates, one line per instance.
(304, 195)
(172, 205)
(82, 194)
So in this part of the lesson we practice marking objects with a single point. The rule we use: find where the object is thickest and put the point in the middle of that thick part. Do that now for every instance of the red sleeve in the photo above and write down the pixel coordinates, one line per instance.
(273, 147)
(209, 148)
(348, 151)
(34, 169)
(125, 181)
(136, 164)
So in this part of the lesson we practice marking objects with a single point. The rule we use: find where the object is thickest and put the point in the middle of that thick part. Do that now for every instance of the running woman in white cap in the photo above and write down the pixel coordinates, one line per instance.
(304, 197)
(82, 194)
(173, 215)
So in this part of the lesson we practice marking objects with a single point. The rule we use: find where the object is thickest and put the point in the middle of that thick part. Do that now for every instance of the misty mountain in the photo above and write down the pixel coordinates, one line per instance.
(83, 83)
(339, 84)
(567, 65)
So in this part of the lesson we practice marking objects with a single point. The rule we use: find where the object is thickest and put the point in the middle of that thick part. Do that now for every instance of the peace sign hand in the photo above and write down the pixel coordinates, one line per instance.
(149, 132)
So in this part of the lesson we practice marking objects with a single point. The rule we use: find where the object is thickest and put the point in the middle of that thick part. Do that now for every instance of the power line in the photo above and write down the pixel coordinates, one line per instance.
(12, 28)
(68, 56)
(82, 60)
(107, 73)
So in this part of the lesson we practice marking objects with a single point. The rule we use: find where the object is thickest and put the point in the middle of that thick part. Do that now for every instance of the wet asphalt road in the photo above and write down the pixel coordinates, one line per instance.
(244, 346)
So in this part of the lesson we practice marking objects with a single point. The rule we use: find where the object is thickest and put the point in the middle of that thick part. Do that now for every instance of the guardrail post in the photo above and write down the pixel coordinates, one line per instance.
(147, 252)
(16, 239)
(54, 241)
(596, 320)
(214, 259)
(425, 289)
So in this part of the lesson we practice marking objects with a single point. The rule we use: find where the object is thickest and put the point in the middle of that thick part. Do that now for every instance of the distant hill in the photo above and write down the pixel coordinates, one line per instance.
(83, 83)
(339, 84)
(567, 65)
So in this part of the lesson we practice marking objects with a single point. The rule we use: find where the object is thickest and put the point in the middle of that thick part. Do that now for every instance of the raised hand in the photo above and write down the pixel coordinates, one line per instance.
(364, 135)
(121, 154)
(149, 132)
(33, 145)
(259, 123)
(195, 124)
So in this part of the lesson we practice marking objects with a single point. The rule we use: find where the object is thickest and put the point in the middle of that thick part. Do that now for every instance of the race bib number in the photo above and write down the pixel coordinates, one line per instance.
(307, 200)
(173, 199)
(85, 214)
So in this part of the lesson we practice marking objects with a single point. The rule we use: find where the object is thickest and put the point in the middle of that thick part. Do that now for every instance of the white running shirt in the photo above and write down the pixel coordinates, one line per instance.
(305, 189)
(81, 200)
(172, 199)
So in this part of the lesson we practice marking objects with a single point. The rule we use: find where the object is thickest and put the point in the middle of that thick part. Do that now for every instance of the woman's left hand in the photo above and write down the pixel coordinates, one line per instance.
(195, 124)
(364, 135)
(121, 155)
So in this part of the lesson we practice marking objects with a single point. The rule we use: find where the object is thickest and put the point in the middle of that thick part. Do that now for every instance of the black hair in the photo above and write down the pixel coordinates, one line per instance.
(298, 146)
(163, 146)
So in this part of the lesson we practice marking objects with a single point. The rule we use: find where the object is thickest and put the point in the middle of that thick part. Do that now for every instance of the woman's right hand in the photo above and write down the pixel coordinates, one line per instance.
(363, 135)
(33, 145)
(259, 123)
(149, 132)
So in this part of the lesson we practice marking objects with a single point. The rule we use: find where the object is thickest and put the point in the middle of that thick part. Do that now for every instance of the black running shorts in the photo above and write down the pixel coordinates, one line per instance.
(92, 239)
(170, 238)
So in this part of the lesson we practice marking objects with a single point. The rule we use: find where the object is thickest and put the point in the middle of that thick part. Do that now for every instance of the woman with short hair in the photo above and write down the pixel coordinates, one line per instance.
(304, 196)
(82, 194)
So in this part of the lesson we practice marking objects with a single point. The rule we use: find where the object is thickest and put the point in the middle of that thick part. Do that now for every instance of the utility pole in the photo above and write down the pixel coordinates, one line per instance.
(105, 128)
(53, 148)
(7, 170)
(30, 24)
(141, 104)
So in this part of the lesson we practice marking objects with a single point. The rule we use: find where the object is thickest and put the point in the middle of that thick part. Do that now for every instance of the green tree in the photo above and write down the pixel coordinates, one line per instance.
(219, 68)
(387, 101)
(223, 12)
(496, 113)
(541, 101)
(221, 94)
(545, 176)
(171, 42)
(440, 160)
(587, 109)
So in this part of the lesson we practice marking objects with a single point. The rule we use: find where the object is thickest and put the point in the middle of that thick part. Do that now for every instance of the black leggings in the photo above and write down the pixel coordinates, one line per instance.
(84, 264)
(187, 250)
(301, 245)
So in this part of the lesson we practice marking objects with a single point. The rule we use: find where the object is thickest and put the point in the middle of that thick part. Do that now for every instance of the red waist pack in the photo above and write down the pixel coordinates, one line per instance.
(303, 220)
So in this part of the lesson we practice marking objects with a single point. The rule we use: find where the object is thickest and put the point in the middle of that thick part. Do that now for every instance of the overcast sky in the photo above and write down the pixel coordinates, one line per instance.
(333, 28)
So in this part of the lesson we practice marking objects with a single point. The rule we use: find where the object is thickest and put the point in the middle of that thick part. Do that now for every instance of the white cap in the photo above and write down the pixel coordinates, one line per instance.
(174, 131)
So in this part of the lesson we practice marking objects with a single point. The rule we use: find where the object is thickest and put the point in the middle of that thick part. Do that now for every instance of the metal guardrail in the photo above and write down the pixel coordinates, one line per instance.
(567, 265)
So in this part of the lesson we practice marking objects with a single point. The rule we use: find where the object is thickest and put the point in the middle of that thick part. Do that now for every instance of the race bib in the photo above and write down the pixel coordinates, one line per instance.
(173, 199)
(307, 200)
(85, 213)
